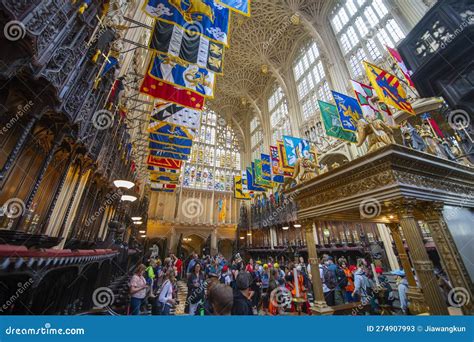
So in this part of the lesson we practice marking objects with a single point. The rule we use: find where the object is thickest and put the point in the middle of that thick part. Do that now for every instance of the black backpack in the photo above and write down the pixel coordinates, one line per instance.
(329, 278)
(341, 277)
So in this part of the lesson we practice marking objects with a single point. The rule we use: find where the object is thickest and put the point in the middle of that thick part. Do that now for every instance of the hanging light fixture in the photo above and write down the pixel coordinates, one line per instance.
(297, 225)
(138, 222)
(142, 231)
(128, 198)
(285, 228)
(122, 183)
(143, 236)
(136, 218)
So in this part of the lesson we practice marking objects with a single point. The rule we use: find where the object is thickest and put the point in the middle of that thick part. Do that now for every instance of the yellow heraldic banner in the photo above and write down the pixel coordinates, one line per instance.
(239, 192)
(388, 88)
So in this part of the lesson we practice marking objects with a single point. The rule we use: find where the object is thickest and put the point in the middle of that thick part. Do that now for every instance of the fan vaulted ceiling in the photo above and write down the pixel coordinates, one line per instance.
(260, 49)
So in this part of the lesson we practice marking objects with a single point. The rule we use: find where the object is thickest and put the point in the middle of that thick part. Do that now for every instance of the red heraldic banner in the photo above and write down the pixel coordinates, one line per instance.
(164, 162)
(161, 90)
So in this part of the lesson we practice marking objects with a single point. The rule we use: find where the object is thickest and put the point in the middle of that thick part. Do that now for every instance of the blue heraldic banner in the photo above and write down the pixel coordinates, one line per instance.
(172, 134)
(169, 148)
(349, 111)
(206, 17)
(169, 155)
(250, 183)
(294, 147)
(266, 167)
(190, 77)
(239, 6)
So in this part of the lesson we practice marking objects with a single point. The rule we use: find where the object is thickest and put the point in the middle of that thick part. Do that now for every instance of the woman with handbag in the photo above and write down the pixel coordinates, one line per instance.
(165, 298)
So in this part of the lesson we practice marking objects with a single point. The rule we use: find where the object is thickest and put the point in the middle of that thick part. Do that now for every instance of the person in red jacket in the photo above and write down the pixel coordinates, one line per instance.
(178, 264)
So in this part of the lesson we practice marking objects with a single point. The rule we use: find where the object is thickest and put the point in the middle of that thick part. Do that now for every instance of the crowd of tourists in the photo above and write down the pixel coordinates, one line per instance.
(217, 286)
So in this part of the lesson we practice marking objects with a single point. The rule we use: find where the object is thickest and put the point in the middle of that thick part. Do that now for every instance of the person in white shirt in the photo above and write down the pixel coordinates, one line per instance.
(138, 289)
(166, 293)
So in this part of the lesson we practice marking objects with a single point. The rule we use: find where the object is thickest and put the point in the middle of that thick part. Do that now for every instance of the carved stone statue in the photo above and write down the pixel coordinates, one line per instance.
(411, 138)
(306, 168)
(376, 131)
(430, 140)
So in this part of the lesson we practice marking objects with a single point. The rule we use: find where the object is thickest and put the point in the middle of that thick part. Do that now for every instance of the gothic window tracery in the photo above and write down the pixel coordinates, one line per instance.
(279, 120)
(363, 29)
(215, 156)
(310, 80)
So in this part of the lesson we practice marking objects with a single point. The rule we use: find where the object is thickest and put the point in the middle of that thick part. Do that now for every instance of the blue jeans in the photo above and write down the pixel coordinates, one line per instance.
(166, 310)
(135, 304)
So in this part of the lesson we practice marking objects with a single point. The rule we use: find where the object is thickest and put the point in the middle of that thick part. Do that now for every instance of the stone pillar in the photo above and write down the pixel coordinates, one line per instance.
(387, 242)
(272, 238)
(416, 301)
(450, 258)
(214, 242)
(421, 262)
(320, 306)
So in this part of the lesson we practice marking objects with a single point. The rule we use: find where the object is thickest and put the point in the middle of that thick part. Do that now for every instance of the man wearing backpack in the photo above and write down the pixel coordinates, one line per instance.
(328, 278)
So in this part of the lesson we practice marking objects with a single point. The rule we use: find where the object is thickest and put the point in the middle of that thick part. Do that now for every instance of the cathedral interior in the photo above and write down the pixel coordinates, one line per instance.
(88, 189)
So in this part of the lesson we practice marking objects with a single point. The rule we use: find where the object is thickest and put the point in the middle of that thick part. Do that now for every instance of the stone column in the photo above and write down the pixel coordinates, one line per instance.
(421, 262)
(416, 301)
(320, 306)
(214, 242)
(387, 242)
(450, 258)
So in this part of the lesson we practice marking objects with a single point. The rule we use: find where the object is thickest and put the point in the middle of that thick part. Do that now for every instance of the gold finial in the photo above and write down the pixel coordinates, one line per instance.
(295, 19)
(265, 69)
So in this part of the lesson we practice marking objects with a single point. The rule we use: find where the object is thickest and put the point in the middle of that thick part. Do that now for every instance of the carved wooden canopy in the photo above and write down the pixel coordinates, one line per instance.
(366, 188)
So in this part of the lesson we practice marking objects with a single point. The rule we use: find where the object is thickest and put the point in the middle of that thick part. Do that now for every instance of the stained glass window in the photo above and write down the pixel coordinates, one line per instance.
(361, 28)
(215, 156)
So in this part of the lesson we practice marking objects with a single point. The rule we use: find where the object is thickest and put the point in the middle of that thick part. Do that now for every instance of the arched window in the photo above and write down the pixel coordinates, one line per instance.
(279, 120)
(310, 79)
(363, 29)
(215, 156)
(256, 138)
